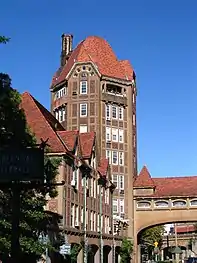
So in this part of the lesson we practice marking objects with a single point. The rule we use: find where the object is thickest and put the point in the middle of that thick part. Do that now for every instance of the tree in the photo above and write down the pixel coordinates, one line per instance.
(33, 219)
(151, 235)
(126, 250)
(4, 40)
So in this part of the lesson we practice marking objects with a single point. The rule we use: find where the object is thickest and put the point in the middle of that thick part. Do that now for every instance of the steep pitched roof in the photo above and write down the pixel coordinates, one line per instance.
(69, 138)
(41, 122)
(86, 143)
(97, 50)
(144, 179)
(103, 166)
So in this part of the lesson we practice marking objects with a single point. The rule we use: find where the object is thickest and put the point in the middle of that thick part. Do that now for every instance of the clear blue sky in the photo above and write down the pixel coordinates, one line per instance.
(158, 37)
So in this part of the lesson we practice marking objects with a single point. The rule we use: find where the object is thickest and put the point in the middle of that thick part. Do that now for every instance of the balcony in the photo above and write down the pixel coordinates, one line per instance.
(115, 98)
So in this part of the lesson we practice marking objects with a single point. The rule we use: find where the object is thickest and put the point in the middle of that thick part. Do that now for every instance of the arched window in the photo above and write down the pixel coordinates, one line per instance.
(193, 202)
(179, 203)
(144, 204)
(161, 204)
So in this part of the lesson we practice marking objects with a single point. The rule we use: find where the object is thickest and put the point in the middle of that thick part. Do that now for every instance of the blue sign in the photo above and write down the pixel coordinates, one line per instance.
(65, 249)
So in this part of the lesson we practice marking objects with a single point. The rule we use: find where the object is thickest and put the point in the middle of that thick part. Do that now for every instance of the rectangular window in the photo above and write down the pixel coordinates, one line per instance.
(108, 134)
(72, 215)
(121, 182)
(114, 112)
(121, 111)
(94, 221)
(114, 135)
(115, 206)
(83, 110)
(121, 136)
(115, 180)
(82, 215)
(121, 206)
(98, 222)
(63, 114)
(91, 221)
(108, 155)
(83, 87)
(134, 119)
(107, 111)
(83, 128)
(121, 158)
(77, 215)
(115, 157)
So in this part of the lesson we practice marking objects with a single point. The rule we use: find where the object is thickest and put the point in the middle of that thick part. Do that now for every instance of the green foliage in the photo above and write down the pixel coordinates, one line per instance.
(74, 253)
(33, 219)
(4, 40)
(150, 236)
(126, 250)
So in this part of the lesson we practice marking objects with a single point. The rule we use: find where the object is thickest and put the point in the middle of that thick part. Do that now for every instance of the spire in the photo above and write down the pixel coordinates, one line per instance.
(144, 179)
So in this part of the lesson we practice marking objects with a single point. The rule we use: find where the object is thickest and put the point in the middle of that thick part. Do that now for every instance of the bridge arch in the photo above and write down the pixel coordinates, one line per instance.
(146, 219)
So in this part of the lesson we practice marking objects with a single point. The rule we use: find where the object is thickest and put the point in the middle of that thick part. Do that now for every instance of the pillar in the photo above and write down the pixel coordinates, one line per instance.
(97, 256)
(110, 256)
(162, 255)
(80, 256)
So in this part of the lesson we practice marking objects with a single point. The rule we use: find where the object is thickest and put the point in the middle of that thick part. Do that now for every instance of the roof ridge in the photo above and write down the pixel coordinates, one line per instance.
(144, 178)
(48, 124)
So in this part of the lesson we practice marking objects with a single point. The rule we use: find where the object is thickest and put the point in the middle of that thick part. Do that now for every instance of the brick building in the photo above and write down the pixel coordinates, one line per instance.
(80, 158)
(93, 91)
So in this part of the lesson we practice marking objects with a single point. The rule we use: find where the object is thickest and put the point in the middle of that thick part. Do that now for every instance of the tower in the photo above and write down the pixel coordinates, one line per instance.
(94, 91)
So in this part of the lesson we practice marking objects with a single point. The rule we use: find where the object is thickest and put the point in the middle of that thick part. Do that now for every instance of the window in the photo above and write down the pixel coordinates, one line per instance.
(94, 221)
(60, 93)
(161, 204)
(72, 215)
(193, 203)
(82, 215)
(60, 114)
(76, 215)
(83, 110)
(108, 134)
(114, 135)
(121, 158)
(179, 203)
(134, 119)
(83, 128)
(76, 177)
(83, 87)
(121, 182)
(108, 156)
(121, 135)
(115, 180)
(98, 222)
(114, 112)
(121, 110)
(107, 111)
(115, 157)
(95, 183)
(115, 206)
(91, 221)
(121, 206)
(143, 205)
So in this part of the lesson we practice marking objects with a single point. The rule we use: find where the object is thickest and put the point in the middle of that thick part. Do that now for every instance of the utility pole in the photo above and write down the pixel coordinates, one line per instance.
(84, 219)
(100, 223)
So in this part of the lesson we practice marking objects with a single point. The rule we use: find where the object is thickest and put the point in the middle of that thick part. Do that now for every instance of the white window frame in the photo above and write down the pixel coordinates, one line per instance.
(121, 181)
(121, 158)
(114, 134)
(82, 87)
(108, 134)
(83, 128)
(116, 112)
(121, 204)
(114, 153)
(115, 180)
(121, 113)
(108, 111)
(109, 155)
(85, 109)
(121, 136)
(115, 204)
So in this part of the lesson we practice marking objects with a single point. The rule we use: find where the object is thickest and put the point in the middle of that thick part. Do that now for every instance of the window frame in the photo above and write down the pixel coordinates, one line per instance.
(114, 163)
(121, 113)
(115, 133)
(116, 112)
(121, 163)
(81, 87)
(108, 132)
(107, 111)
(81, 106)
(121, 133)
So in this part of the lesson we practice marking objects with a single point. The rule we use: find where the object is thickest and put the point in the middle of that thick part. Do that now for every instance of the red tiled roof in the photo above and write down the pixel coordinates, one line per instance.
(185, 229)
(144, 179)
(169, 186)
(103, 167)
(41, 122)
(69, 138)
(97, 50)
(86, 143)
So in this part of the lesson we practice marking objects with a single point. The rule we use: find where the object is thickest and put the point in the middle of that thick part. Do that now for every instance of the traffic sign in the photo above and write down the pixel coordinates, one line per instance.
(65, 249)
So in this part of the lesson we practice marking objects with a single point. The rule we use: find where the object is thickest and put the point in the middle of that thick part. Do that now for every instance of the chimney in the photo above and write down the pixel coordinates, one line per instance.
(67, 41)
